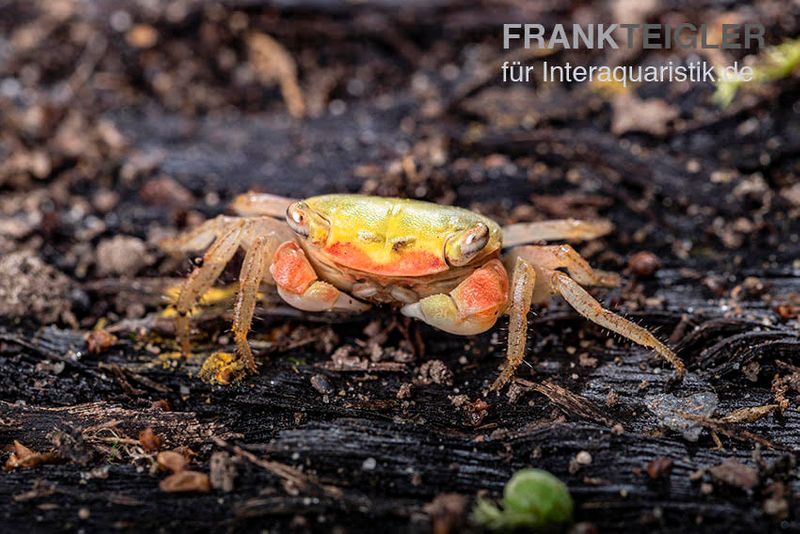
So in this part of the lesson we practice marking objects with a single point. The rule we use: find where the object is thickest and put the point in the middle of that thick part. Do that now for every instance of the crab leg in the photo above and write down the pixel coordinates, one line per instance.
(261, 204)
(586, 305)
(566, 229)
(471, 308)
(552, 257)
(254, 270)
(523, 282)
(299, 286)
(204, 275)
(200, 237)
(546, 281)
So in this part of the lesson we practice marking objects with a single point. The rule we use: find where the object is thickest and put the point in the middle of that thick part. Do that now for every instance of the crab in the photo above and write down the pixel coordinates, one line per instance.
(442, 265)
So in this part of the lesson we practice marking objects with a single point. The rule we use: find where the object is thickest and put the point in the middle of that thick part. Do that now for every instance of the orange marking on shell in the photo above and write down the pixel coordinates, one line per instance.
(409, 263)
(291, 269)
(484, 292)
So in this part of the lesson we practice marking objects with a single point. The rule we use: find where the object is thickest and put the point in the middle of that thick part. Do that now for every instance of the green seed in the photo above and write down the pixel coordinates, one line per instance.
(533, 499)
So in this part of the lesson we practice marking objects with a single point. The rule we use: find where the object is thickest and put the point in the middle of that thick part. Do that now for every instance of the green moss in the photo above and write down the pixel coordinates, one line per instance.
(532, 500)
(774, 63)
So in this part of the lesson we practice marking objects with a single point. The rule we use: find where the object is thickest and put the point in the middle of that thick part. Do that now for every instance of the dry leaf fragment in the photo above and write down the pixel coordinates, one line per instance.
(186, 481)
(98, 341)
(779, 390)
(749, 415)
(447, 512)
(272, 62)
(25, 457)
(734, 473)
(660, 467)
(222, 471)
(171, 461)
(149, 440)
(632, 114)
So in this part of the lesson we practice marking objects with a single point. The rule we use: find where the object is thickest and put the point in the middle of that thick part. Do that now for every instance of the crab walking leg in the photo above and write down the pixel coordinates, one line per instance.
(558, 229)
(523, 282)
(254, 270)
(299, 286)
(552, 257)
(471, 308)
(200, 237)
(263, 204)
(586, 305)
(203, 277)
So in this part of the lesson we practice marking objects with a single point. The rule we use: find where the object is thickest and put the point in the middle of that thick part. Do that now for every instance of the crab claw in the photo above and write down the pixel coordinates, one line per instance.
(471, 308)
(299, 287)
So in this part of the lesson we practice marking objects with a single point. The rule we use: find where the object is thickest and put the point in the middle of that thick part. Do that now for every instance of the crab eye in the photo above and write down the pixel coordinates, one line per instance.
(306, 222)
(475, 239)
(297, 219)
(465, 245)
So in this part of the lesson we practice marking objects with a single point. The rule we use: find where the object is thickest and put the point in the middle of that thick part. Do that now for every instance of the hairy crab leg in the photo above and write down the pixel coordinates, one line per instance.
(586, 305)
(552, 257)
(261, 204)
(254, 269)
(521, 292)
(203, 277)
(558, 229)
(546, 281)
(200, 237)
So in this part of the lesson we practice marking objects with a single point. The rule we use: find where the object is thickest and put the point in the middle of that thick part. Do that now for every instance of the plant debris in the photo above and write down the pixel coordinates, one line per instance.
(185, 482)
(23, 457)
(735, 474)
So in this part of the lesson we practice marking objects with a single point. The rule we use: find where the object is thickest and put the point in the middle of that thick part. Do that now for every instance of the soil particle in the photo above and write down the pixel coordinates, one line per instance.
(447, 512)
(405, 391)
(659, 468)
(164, 192)
(122, 255)
(644, 264)
(435, 372)
(322, 384)
(29, 288)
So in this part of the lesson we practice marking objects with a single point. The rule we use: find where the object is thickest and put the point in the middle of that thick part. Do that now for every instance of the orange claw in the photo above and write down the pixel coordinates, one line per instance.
(484, 293)
(291, 269)
(471, 308)
(299, 287)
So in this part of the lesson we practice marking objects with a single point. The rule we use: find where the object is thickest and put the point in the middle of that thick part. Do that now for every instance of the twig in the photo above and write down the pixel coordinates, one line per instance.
(571, 403)
(741, 435)
(123, 373)
(294, 477)
(367, 366)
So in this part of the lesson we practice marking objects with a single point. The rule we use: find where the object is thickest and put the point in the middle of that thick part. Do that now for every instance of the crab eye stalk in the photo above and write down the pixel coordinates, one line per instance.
(464, 246)
(297, 220)
(307, 223)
